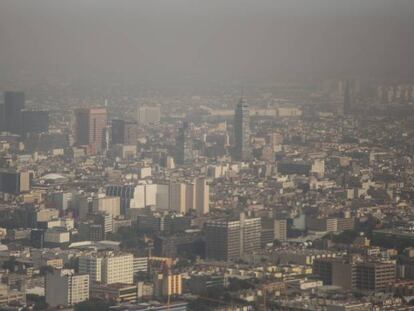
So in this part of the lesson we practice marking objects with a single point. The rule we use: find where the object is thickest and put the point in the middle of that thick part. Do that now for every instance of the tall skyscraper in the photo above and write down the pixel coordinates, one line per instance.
(91, 124)
(130, 133)
(184, 145)
(242, 150)
(117, 131)
(124, 132)
(13, 105)
(202, 196)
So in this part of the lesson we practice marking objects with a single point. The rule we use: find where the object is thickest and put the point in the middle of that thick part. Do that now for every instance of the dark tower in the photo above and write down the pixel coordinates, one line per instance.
(35, 121)
(184, 145)
(13, 106)
(242, 131)
(118, 131)
(2, 117)
(124, 132)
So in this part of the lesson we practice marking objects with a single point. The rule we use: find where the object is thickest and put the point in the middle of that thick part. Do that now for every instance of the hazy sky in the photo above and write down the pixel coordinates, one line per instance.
(210, 39)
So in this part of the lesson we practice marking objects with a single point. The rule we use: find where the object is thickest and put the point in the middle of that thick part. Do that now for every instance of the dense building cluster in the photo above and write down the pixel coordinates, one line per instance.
(210, 203)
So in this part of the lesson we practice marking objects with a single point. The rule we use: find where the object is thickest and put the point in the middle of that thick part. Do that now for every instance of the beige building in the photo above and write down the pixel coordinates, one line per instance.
(148, 115)
(109, 205)
(167, 285)
(280, 229)
(8, 296)
(178, 197)
(118, 269)
(108, 268)
(47, 214)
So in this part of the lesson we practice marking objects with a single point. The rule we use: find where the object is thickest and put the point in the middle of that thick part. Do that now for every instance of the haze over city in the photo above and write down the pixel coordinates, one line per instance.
(218, 155)
(201, 41)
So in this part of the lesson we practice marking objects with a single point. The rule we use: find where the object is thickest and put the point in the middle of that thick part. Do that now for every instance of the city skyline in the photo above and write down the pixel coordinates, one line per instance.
(221, 155)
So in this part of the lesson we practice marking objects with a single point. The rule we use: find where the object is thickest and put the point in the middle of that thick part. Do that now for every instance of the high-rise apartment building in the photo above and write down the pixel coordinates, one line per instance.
(14, 103)
(223, 239)
(118, 269)
(230, 239)
(108, 268)
(250, 234)
(90, 127)
(65, 288)
(107, 204)
(242, 148)
(132, 196)
(147, 115)
(178, 197)
(184, 145)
